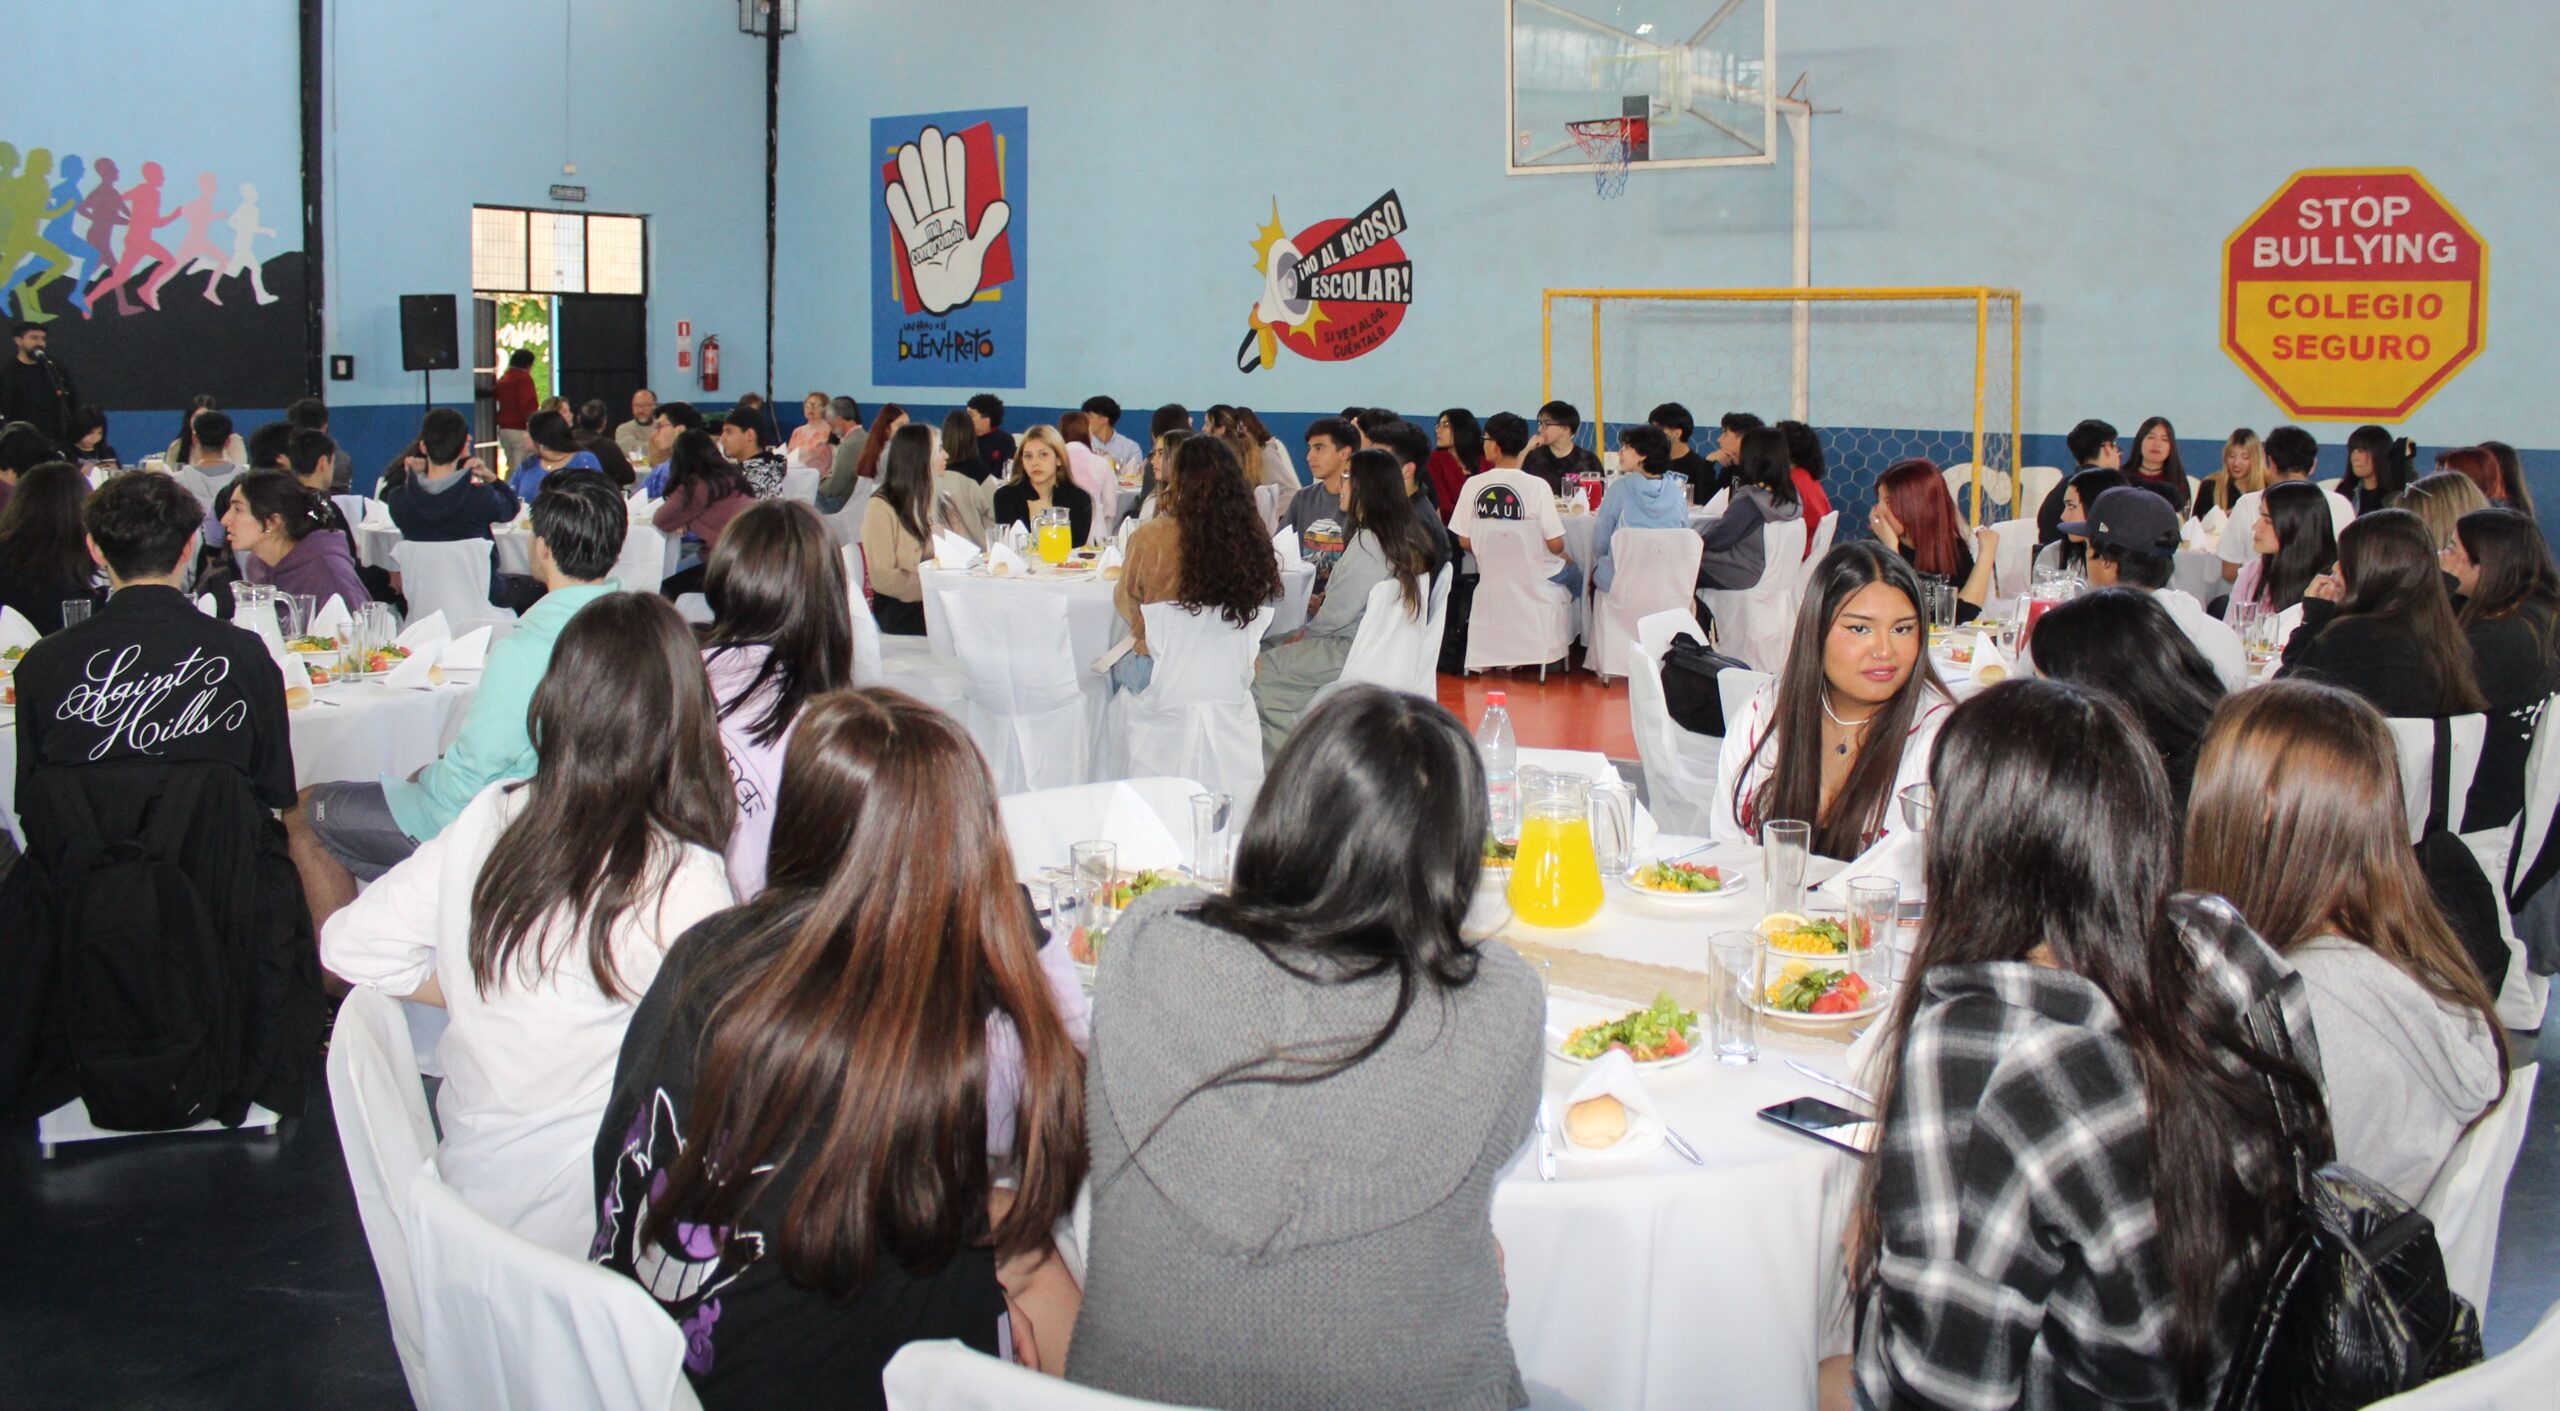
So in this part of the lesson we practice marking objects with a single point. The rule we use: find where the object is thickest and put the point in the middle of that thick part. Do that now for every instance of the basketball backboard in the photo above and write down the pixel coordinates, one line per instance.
(1699, 70)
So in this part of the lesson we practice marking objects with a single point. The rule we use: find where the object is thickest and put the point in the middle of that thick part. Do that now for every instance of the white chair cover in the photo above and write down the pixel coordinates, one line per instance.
(1271, 500)
(354, 507)
(2525, 1377)
(2470, 1194)
(383, 1127)
(1149, 820)
(1026, 702)
(1655, 571)
(906, 664)
(2531, 829)
(801, 483)
(951, 1376)
(1521, 617)
(1736, 688)
(1389, 642)
(1755, 623)
(2013, 563)
(2034, 483)
(512, 1325)
(694, 608)
(2416, 739)
(846, 524)
(1679, 765)
(451, 578)
(1822, 536)
(1435, 632)
(1196, 717)
(1995, 489)
(642, 564)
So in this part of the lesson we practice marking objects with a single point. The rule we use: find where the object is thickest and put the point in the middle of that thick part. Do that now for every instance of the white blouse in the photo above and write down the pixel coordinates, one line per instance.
(527, 1069)
(1743, 759)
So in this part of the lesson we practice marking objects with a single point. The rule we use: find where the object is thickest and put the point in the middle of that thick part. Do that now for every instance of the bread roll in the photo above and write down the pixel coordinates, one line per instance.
(296, 697)
(1596, 1122)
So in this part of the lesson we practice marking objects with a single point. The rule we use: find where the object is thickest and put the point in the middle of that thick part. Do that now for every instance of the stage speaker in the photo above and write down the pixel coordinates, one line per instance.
(429, 339)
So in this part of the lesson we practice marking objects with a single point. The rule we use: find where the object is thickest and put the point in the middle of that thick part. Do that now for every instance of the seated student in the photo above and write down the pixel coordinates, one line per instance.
(857, 456)
(1277, 468)
(1158, 472)
(780, 635)
(1806, 465)
(591, 436)
(2289, 530)
(1647, 494)
(705, 490)
(2381, 626)
(362, 828)
(2156, 465)
(1457, 452)
(550, 447)
(897, 531)
(215, 457)
(2122, 644)
(1165, 420)
(2068, 551)
(44, 556)
(1331, 1001)
(673, 420)
(2093, 446)
(995, 444)
(1318, 511)
(2132, 535)
(741, 439)
(2512, 492)
(289, 533)
(539, 918)
(2409, 1036)
(1678, 427)
(1087, 467)
(959, 448)
(1730, 429)
(453, 496)
(1041, 482)
(1917, 518)
(835, 1075)
(1205, 551)
(312, 414)
(84, 439)
(312, 458)
(1412, 449)
(2378, 469)
(813, 441)
(2244, 472)
(1556, 455)
(1503, 491)
(1849, 722)
(1763, 492)
(2291, 455)
(962, 505)
(2080, 1159)
(1102, 432)
(2509, 608)
(2441, 500)
(1384, 541)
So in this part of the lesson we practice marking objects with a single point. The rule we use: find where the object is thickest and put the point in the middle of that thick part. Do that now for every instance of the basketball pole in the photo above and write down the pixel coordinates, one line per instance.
(1981, 361)
(1799, 115)
(1599, 407)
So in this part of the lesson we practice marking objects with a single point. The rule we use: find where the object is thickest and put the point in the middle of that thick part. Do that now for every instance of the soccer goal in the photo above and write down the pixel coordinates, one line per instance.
(1882, 374)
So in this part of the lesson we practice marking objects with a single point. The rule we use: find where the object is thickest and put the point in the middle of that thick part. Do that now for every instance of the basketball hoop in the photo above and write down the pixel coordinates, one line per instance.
(1612, 142)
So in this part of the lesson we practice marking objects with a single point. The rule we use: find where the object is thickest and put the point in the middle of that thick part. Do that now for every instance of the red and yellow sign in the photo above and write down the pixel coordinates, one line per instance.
(2352, 295)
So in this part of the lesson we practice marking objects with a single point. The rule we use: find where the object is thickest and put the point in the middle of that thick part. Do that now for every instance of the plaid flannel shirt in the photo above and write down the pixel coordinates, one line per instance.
(2022, 1264)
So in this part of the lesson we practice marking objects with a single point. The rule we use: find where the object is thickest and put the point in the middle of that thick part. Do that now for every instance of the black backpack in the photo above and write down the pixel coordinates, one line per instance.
(150, 1004)
(2462, 891)
(1689, 690)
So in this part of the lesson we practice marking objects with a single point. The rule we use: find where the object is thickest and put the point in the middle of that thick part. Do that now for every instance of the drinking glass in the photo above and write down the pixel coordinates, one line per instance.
(1784, 844)
(1095, 868)
(1874, 936)
(1210, 843)
(1613, 828)
(75, 611)
(305, 607)
(1735, 959)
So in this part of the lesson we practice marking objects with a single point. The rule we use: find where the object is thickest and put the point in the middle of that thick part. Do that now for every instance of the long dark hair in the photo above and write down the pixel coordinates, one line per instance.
(1466, 438)
(867, 465)
(695, 459)
(40, 529)
(2306, 541)
(1932, 528)
(959, 439)
(1793, 788)
(1762, 460)
(2120, 643)
(2086, 486)
(2511, 475)
(2392, 576)
(2054, 828)
(776, 581)
(2391, 472)
(2516, 572)
(1379, 506)
(275, 494)
(906, 480)
(846, 1046)
(1226, 563)
(2173, 471)
(628, 768)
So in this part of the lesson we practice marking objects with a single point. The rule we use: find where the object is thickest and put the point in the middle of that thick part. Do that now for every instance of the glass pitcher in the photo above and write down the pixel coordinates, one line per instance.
(1555, 881)
(1056, 536)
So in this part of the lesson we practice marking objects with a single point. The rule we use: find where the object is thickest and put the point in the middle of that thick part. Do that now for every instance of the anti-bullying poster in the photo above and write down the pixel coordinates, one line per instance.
(950, 280)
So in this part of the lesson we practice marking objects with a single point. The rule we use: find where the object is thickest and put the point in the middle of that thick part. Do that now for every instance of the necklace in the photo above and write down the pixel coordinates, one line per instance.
(1834, 717)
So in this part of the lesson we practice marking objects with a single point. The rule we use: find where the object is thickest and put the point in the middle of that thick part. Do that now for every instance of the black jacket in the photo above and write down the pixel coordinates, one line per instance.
(2378, 660)
(1013, 505)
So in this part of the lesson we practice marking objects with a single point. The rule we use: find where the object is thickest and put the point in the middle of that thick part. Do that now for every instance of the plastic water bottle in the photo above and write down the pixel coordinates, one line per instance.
(1501, 766)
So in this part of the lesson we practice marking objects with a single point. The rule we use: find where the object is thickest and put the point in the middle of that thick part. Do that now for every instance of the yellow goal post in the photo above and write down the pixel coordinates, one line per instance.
(1882, 374)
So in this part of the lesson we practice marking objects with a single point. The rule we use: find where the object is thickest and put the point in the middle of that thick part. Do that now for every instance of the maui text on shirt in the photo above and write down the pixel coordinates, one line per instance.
(128, 704)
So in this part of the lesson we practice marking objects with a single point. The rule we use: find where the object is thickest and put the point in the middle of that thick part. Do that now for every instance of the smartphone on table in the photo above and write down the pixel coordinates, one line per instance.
(1852, 1132)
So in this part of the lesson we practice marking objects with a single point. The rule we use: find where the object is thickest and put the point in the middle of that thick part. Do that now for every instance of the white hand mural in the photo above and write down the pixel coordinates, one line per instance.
(929, 204)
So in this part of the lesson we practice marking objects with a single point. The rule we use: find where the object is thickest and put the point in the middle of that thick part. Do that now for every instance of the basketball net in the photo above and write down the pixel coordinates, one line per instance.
(1610, 142)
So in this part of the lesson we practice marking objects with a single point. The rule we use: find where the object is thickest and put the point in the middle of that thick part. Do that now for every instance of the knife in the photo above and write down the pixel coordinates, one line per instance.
(1681, 1145)
(1816, 1074)
(1546, 1145)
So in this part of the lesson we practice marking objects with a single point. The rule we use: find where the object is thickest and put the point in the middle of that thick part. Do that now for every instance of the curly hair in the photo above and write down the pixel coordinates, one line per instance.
(1227, 563)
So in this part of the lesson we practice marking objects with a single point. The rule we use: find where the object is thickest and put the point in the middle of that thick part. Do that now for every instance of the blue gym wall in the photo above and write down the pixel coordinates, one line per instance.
(2092, 154)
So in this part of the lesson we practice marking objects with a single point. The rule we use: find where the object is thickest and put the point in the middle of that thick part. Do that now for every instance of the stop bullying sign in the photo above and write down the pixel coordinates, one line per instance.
(2353, 295)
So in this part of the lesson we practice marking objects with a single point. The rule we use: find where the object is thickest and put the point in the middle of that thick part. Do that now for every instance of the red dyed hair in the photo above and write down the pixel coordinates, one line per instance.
(1916, 492)
(2480, 466)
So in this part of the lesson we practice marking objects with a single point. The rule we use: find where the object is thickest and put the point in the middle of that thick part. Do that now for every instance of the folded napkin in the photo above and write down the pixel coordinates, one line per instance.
(1285, 543)
(421, 670)
(377, 515)
(428, 631)
(1990, 665)
(951, 551)
(2196, 538)
(2213, 523)
(297, 680)
(16, 630)
(1003, 561)
(2286, 623)
(1111, 557)
(333, 620)
(468, 652)
(1612, 1074)
(1896, 857)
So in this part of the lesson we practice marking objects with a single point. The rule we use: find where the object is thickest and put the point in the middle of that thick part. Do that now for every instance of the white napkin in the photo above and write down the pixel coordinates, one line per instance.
(1285, 543)
(420, 669)
(15, 629)
(953, 552)
(640, 502)
(1897, 857)
(333, 620)
(1001, 559)
(297, 679)
(204, 604)
(2196, 538)
(1133, 828)
(2214, 522)
(468, 652)
(1614, 1074)
(1990, 664)
(377, 515)
(428, 631)
(2287, 622)
(1111, 557)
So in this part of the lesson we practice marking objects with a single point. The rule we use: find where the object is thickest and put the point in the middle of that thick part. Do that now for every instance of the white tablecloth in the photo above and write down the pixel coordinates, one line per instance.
(515, 551)
(352, 730)
(2200, 574)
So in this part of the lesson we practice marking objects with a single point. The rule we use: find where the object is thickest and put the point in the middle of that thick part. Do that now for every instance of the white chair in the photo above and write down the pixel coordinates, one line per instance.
(951, 1376)
(2525, 1377)
(1027, 706)
(694, 608)
(451, 578)
(509, 1324)
(1148, 820)
(2521, 1007)
(1196, 717)
(1272, 501)
(642, 565)
(1735, 689)
(1679, 764)
(2034, 483)
(2013, 562)
(1651, 571)
(801, 483)
(1996, 489)
(1822, 536)
(2470, 1194)
(1755, 623)
(383, 1127)
(1521, 616)
(845, 525)
(1392, 648)
(906, 664)
(1435, 632)
(2416, 740)
(353, 507)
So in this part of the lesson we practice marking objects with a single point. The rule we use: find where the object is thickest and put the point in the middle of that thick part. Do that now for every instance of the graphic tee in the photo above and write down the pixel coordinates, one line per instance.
(1318, 517)
(1511, 496)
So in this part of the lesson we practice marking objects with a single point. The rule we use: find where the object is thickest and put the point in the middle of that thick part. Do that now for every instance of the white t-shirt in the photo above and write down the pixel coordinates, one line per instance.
(2212, 636)
(1746, 761)
(2243, 523)
(1511, 495)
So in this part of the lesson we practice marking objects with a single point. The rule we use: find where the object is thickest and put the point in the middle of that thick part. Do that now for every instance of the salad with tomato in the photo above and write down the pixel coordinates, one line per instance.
(1649, 1035)
(1685, 878)
(1807, 989)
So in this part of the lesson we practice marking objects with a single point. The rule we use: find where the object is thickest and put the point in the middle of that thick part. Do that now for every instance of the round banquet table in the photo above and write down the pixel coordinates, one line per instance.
(1644, 1281)
(351, 730)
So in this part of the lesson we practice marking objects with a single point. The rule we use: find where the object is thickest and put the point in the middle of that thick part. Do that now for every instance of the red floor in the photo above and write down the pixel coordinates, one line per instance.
(1571, 711)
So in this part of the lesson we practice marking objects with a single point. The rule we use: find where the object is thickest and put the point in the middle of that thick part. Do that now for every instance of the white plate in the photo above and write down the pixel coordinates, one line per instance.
(1733, 887)
(1877, 1000)
(1555, 1050)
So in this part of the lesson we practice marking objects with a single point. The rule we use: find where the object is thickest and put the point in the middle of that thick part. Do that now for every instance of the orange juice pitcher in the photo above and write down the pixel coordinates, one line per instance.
(1556, 879)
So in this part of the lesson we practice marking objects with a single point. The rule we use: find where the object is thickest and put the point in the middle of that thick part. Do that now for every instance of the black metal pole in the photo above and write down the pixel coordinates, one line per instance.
(314, 137)
(772, 159)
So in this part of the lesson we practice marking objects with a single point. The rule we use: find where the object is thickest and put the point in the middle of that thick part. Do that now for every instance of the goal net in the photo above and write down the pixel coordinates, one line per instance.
(1882, 375)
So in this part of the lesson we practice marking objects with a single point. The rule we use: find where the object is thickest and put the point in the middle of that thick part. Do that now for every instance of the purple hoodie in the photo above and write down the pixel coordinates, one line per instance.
(319, 564)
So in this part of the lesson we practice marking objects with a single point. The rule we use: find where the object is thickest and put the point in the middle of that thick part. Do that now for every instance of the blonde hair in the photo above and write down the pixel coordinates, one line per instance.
(2442, 499)
(2247, 440)
(1042, 435)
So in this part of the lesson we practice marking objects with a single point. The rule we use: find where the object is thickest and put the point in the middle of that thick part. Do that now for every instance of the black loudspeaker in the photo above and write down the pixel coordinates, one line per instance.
(429, 339)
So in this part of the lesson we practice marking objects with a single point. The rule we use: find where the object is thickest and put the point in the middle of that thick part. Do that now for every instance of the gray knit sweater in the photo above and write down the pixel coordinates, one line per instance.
(1298, 1247)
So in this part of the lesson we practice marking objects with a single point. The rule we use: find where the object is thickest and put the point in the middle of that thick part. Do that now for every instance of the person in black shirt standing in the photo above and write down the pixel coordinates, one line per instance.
(1556, 456)
(34, 388)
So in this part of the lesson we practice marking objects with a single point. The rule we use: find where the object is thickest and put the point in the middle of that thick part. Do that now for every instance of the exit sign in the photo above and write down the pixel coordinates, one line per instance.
(568, 193)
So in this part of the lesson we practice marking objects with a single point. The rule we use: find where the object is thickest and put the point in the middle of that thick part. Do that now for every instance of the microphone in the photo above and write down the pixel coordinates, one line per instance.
(38, 356)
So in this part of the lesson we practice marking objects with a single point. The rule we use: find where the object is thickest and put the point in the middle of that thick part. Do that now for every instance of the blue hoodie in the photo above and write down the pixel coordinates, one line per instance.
(1636, 501)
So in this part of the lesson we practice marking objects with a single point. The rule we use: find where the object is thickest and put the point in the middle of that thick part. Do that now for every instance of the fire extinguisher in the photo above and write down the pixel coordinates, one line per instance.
(707, 368)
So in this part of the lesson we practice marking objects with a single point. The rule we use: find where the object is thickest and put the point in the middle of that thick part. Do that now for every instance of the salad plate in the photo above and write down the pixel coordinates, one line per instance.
(1682, 884)
(1661, 1035)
